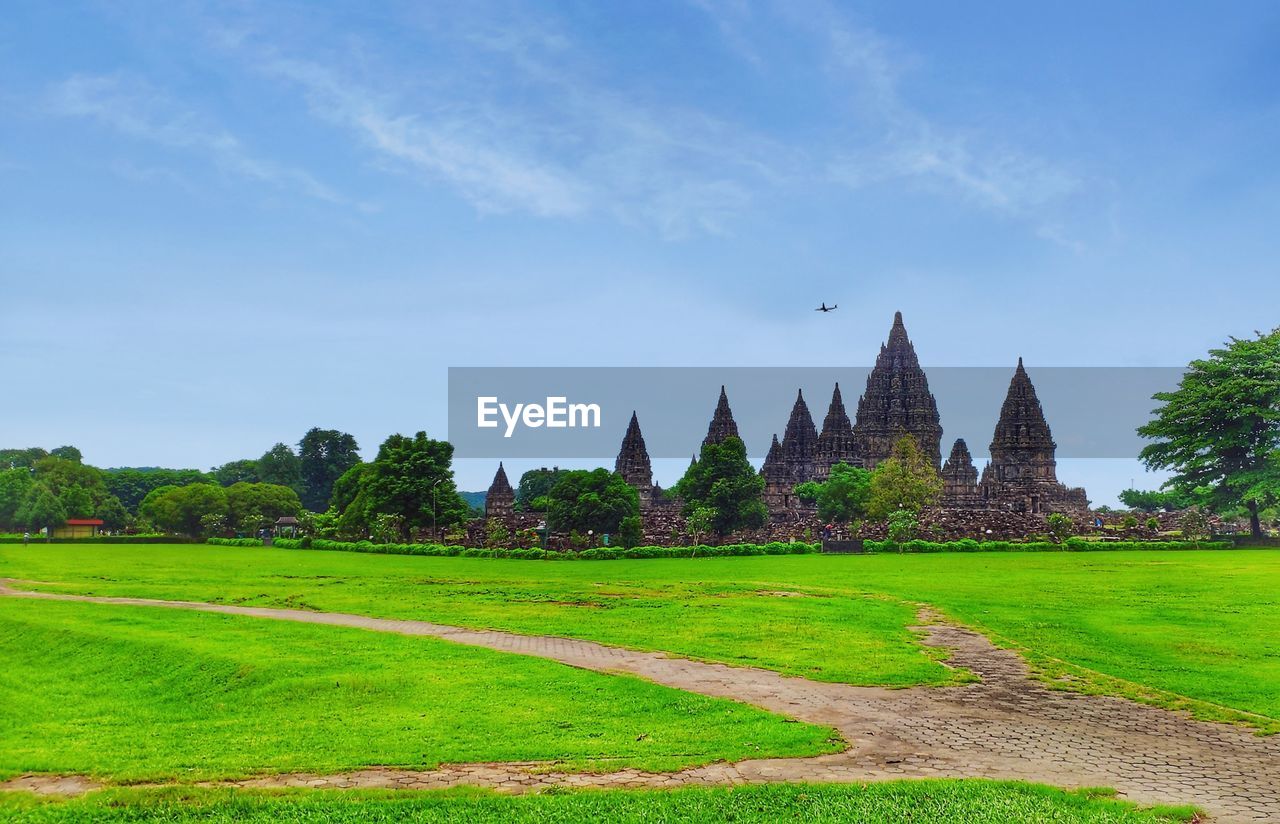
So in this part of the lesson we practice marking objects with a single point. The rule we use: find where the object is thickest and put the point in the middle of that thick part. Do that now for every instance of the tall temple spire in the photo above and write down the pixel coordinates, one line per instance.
(836, 442)
(800, 442)
(959, 478)
(1023, 467)
(778, 485)
(897, 401)
(633, 461)
(500, 500)
(722, 423)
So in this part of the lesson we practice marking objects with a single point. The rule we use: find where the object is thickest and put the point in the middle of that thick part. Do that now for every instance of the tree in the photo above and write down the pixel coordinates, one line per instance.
(1194, 524)
(20, 458)
(41, 509)
(1153, 500)
(902, 526)
(323, 456)
(905, 480)
(699, 521)
(68, 453)
(1060, 527)
(14, 486)
(112, 513)
(723, 481)
(630, 531)
(534, 486)
(76, 502)
(280, 465)
(183, 509)
(61, 474)
(594, 499)
(132, 484)
(1219, 431)
(843, 497)
(244, 470)
(412, 479)
(251, 507)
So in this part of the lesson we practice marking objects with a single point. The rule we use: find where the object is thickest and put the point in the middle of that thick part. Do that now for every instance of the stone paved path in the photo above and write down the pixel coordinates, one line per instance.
(1007, 727)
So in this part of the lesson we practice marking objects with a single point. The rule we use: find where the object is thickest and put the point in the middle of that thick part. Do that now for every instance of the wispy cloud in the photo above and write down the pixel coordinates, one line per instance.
(134, 108)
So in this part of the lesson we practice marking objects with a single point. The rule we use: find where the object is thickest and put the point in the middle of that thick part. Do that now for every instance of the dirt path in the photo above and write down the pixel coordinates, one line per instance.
(1008, 727)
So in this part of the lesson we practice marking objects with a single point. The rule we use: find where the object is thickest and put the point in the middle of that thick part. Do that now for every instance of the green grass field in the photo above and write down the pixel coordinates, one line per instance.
(1191, 629)
(937, 802)
(135, 693)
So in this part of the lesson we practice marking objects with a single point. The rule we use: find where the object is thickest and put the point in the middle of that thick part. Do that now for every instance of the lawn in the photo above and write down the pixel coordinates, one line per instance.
(135, 693)
(937, 802)
(1193, 628)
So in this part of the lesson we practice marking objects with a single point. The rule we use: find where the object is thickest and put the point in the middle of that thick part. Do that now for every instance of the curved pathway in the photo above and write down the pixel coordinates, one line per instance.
(1009, 726)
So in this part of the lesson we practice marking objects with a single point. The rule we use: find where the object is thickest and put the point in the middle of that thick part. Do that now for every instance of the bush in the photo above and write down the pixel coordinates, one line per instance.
(235, 541)
(535, 554)
(1071, 544)
(106, 539)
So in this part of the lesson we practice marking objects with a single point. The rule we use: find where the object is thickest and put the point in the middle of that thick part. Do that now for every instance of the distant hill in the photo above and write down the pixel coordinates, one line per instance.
(475, 500)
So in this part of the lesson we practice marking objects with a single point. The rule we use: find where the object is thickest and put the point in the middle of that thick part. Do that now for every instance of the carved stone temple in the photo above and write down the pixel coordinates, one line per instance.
(1021, 475)
(500, 500)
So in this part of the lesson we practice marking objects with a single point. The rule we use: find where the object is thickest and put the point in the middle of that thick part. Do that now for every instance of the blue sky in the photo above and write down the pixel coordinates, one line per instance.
(221, 224)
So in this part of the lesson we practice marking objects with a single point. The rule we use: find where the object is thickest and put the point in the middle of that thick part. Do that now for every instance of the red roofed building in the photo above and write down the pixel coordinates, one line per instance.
(78, 528)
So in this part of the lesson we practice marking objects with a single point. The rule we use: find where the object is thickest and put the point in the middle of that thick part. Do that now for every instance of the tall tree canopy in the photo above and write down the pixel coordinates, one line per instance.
(411, 481)
(723, 481)
(906, 481)
(535, 484)
(13, 458)
(131, 485)
(324, 455)
(1219, 431)
(843, 497)
(244, 470)
(595, 499)
(280, 465)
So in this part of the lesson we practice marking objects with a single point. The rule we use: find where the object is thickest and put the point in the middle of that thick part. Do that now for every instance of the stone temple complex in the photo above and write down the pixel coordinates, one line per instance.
(1020, 477)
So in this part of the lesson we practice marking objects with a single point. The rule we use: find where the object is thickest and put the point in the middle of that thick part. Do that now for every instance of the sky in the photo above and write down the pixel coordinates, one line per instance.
(223, 224)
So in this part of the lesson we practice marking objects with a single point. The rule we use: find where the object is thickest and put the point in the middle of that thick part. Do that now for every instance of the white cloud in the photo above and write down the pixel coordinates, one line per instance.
(134, 108)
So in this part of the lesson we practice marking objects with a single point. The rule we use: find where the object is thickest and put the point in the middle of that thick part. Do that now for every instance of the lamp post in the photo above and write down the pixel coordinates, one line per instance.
(435, 534)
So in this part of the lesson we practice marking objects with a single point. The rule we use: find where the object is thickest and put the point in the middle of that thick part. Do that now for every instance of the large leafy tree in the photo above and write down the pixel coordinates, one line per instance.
(843, 497)
(410, 481)
(14, 458)
(15, 484)
(594, 499)
(905, 481)
(41, 509)
(534, 486)
(185, 509)
(1219, 431)
(251, 507)
(234, 472)
(1151, 500)
(723, 481)
(132, 484)
(323, 456)
(280, 465)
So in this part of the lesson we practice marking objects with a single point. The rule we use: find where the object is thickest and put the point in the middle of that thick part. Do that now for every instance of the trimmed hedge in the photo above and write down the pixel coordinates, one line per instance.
(106, 539)
(534, 554)
(235, 541)
(1070, 545)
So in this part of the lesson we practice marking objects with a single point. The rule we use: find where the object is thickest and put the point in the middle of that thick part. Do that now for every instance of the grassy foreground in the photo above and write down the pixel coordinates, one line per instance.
(136, 693)
(1190, 628)
(938, 802)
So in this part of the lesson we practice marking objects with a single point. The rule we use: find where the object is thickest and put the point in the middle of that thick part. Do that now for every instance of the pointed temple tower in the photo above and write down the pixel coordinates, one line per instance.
(722, 423)
(633, 462)
(800, 442)
(897, 401)
(778, 486)
(1022, 474)
(960, 479)
(500, 500)
(836, 443)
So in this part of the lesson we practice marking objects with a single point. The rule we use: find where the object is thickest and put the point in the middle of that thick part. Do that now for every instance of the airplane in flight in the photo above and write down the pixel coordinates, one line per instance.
(825, 308)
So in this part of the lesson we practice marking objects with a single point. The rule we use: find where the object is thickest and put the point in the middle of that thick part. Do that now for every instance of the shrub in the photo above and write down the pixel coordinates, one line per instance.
(1071, 544)
(235, 541)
